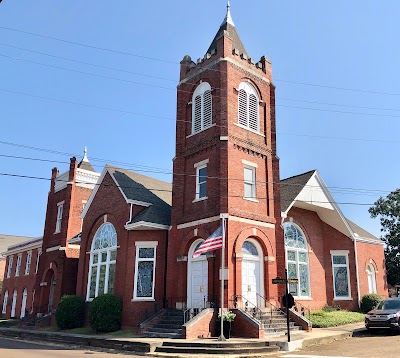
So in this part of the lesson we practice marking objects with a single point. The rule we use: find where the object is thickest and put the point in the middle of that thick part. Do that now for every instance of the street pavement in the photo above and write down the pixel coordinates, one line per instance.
(361, 345)
(13, 348)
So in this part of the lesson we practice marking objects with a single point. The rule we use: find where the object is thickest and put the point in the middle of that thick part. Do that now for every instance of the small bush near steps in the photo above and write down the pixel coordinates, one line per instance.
(70, 312)
(105, 313)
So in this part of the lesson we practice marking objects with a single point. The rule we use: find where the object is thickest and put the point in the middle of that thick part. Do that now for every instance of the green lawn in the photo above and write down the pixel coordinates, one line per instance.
(322, 319)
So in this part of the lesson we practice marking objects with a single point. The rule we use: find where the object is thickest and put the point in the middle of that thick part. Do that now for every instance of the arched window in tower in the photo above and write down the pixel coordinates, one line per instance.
(202, 108)
(103, 256)
(297, 260)
(248, 112)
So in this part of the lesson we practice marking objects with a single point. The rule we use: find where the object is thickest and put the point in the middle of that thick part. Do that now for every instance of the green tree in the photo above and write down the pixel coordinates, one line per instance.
(388, 210)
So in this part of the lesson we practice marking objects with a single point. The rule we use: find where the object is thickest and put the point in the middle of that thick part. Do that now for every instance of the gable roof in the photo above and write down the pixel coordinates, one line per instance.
(154, 195)
(362, 233)
(140, 188)
(291, 188)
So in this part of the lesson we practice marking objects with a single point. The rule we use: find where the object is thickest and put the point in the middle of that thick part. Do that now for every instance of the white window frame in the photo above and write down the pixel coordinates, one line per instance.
(298, 263)
(18, 265)
(200, 92)
(250, 90)
(144, 245)
(10, 264)
(39, 253)
(371, 276)
(107, 264)
(60, 207)
(346, 254)
(198, 166)
(28, 262)
(5, 299)
(252, 182)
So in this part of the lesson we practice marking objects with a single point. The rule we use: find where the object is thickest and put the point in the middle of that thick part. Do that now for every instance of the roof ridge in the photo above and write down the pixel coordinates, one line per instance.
(299, 175)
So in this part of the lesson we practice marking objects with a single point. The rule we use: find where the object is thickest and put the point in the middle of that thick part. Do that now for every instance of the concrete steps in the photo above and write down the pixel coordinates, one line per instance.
(170, 326)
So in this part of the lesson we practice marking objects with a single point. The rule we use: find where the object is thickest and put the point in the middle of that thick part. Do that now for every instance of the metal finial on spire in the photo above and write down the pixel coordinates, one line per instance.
(85, 158)
(228, 17)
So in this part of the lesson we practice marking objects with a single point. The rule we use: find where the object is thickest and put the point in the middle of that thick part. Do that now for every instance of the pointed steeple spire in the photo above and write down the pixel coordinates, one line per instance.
(228, 26)
(228, 17)
(84, 163)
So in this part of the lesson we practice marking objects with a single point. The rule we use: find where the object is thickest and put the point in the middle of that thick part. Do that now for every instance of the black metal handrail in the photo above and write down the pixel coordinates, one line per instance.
(302, 310)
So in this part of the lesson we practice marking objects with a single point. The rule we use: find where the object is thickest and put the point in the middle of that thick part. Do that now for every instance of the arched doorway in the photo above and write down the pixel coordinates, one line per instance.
(252, 273)
(47, 291)
(197, 285)
(14, 304)
(23, 304)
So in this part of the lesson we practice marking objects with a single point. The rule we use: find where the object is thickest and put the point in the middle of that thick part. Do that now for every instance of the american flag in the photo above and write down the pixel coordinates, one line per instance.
(214, 242)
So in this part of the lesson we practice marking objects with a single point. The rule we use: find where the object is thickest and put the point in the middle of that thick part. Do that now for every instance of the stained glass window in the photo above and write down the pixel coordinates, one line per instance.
(297, 260)
(340, 274)
(249, 248)
(103, 257)
(145, 270)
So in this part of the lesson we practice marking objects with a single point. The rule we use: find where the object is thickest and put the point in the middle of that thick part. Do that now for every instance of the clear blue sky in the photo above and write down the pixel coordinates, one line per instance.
(350, 136)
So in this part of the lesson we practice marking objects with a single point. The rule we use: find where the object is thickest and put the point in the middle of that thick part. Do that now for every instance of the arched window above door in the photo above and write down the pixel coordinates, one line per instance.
(249, 248)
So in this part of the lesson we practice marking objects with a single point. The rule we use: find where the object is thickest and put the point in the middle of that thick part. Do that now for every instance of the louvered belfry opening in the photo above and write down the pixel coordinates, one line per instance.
(248, 107)
(202, 108)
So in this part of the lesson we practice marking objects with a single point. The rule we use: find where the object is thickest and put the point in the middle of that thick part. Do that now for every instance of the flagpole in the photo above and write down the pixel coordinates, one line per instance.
(222, 337)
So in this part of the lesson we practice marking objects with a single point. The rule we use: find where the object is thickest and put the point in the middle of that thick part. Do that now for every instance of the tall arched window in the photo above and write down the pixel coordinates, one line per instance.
(248, 107)
(5, 299)
(371, 278)
(103, 255)
(201, 108)
(297, 260)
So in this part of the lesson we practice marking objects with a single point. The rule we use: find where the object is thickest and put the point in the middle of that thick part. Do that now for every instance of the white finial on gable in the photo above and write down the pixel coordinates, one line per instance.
(228, 17)
(85, 158)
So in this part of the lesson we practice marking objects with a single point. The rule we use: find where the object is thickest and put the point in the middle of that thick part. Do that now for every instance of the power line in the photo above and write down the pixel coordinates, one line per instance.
(165, 171)
(175, 62)
(170, 191)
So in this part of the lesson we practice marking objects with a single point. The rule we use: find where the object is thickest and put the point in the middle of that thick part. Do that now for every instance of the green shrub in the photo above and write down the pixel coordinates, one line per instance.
(70, 312)
(322, 319)
(328, 308)
(105, 313)
(369, 302)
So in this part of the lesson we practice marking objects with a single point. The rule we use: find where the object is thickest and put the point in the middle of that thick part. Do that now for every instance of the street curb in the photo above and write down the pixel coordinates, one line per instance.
(79, 340)
(327, 339)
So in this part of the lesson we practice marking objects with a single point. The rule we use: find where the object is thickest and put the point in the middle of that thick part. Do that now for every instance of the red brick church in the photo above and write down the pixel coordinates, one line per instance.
(134, 236)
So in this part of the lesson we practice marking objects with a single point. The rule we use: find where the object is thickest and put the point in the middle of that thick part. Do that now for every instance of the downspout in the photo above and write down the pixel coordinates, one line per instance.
(130, 215)
(357, 276)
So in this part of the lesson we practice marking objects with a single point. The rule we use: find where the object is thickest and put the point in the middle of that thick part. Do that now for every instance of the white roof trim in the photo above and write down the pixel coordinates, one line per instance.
(26, 247)
(75, 240)
(139, 203)
(145, 225)
(367, 240)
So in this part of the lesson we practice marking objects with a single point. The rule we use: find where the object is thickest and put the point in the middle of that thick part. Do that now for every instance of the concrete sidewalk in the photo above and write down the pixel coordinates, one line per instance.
(148, 345)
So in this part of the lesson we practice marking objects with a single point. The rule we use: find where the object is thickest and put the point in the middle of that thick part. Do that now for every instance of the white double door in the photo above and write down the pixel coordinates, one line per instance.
(251, 282)
(198, 284)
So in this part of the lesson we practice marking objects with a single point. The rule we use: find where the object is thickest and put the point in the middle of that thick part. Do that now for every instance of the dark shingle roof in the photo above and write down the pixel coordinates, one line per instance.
(236, 41)
(362, 232)
(85, 165)
(291, 187)
(143, 188)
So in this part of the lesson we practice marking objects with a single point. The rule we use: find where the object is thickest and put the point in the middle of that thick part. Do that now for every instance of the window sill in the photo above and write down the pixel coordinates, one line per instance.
(144, 299)
(343, 299)
(251, 199)
(298, 298)
(250, 130)
(203, 130)
(200, 199)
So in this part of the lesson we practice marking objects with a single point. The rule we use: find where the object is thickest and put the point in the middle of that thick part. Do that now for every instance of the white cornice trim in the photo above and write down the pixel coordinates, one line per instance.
(367, 240)
(198, 222)
(145, 225)
(22, 248)
(139, 203)
(54, 248)
(250, 221)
